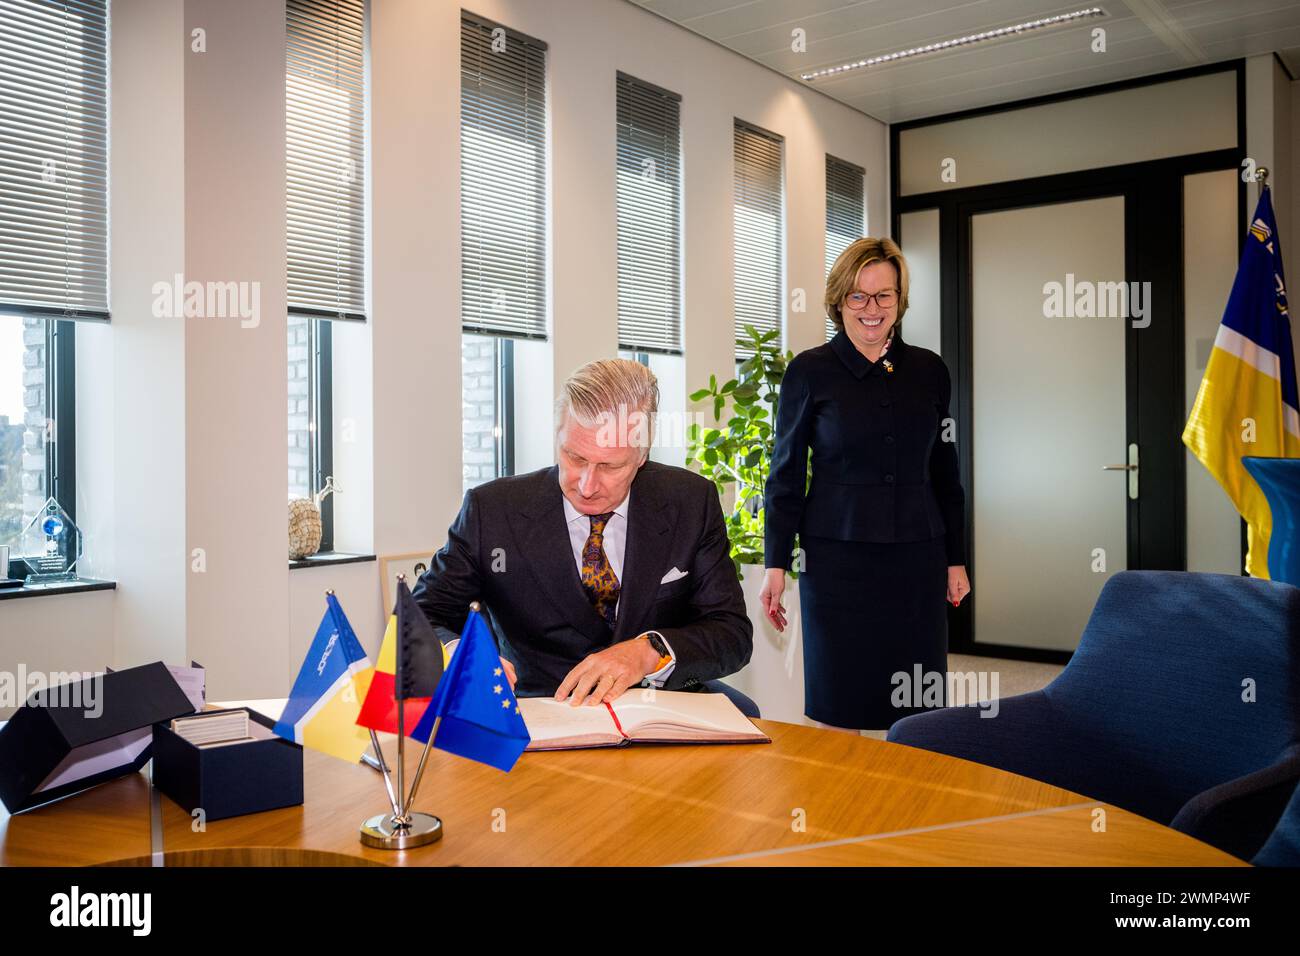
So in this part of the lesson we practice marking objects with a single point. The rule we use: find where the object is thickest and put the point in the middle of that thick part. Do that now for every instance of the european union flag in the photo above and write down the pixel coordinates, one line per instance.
(480, 716)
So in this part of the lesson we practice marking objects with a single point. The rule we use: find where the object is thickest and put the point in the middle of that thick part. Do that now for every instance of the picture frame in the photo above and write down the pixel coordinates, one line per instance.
(412, 564)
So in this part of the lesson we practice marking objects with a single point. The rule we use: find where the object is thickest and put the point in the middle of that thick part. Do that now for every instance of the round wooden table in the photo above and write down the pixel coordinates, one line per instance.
(812, 797)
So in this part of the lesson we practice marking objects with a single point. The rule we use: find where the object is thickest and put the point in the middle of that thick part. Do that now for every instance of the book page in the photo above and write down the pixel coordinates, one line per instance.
(552, 722)
(682, 715)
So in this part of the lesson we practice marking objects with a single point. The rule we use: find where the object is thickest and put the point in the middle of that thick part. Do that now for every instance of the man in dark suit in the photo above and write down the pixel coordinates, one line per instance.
(604, 571)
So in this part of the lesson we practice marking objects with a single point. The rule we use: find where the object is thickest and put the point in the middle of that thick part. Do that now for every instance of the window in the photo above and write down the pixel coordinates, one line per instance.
(33, 464)
(503, 235)
(845, 217)
(759, 216)
(648, 190)
(487, 369)
(325, 145)
(53, 239)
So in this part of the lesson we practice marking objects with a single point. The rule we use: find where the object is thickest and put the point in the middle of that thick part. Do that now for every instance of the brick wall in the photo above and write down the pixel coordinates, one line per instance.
(34, 405)
(478, 409)
(299, 408)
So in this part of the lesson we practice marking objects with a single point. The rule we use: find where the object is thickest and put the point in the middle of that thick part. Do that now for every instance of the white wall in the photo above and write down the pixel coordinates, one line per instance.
(71, 632)
(133, 473)
(198, 188)
(1189, 115)
(236, 384)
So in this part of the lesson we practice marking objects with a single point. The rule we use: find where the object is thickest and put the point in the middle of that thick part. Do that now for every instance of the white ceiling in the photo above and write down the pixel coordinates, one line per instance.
(1143, 37)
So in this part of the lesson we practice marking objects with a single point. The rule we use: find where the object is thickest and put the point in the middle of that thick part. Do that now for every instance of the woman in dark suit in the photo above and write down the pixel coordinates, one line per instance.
(881, 527)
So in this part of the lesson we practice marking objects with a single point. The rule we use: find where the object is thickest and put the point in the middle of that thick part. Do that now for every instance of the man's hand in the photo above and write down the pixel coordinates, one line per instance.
(510, 673)
(606, 674)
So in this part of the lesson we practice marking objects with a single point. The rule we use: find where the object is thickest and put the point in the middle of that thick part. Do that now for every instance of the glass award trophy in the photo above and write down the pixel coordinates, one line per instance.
(51, 545)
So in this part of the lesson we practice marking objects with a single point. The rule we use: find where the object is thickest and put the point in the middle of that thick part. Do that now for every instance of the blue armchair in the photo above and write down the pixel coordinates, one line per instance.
(1152, 712)
(1283, 847)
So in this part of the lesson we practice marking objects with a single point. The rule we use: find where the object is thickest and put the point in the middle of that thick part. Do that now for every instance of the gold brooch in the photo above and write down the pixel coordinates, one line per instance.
(889, 366)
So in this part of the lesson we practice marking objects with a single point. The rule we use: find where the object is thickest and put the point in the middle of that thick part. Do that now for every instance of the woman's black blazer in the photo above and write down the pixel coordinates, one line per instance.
(881, 470)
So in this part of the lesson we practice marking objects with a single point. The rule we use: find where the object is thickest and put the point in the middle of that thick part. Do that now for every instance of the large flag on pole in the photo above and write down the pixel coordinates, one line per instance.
(410, 663)
(326, 698)
(480, 716)
(1247, 403)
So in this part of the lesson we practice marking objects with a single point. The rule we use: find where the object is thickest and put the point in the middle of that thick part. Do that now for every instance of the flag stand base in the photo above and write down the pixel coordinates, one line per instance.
(383, 833)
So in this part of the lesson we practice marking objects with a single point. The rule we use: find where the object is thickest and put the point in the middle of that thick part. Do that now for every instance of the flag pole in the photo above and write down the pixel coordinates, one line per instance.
(401, 830)
(383, 768)
(374, 742)
(428, 744)
(401, 819)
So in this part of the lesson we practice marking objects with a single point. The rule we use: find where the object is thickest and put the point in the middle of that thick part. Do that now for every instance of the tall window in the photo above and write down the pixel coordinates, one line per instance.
(648, 199)
(759, 216)
(53, 238)
(502, 231)
(845, 216)
(325, 90)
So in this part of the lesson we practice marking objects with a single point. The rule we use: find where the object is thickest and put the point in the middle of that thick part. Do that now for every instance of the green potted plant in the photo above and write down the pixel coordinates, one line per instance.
(738, 452)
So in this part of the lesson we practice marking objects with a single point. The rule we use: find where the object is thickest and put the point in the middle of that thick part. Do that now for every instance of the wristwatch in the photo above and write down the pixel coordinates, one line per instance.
(660, 647)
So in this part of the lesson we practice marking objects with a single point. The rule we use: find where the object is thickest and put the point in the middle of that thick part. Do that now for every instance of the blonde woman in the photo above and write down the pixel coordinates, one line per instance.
(882, 524)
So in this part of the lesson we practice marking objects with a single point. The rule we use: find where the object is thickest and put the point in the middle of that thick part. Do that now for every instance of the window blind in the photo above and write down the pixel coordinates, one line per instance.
(502, 180)
(325, 90)
(759, 216)
(54, 157)
(845, 219)
(648, 185)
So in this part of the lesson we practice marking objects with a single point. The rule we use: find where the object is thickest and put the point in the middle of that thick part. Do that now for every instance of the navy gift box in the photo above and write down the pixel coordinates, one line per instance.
(55, 745)
(231, 779)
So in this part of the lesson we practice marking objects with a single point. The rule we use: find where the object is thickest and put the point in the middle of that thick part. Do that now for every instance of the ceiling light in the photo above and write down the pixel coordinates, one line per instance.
(1056, 21)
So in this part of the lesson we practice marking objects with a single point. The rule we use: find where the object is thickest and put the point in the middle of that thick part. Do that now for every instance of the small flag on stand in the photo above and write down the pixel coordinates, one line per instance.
(326, 698)
(410, 664)
(480, 716)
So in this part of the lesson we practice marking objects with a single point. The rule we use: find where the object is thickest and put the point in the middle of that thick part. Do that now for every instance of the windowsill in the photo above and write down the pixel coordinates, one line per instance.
(61, 587)
(328, 559)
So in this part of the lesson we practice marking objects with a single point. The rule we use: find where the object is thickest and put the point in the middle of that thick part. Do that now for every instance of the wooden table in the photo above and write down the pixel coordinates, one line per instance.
(810, 798)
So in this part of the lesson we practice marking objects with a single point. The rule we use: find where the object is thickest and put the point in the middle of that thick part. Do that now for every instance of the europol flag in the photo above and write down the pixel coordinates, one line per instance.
(480, 716)
(1247, 403)
(326, 698)
(410, 664)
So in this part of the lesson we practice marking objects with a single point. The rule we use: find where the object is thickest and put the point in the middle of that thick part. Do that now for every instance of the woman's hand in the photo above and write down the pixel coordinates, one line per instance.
(770, 597)
(958, 584)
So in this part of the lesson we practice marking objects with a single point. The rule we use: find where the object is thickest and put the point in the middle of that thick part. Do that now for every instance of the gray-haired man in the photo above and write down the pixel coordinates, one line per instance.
(604, 571)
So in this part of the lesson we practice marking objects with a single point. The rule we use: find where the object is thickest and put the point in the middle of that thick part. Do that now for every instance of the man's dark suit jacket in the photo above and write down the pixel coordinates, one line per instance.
(509, 548)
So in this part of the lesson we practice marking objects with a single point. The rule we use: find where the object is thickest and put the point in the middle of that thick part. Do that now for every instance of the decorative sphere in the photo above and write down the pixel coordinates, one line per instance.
(304, 528)
(52, 525)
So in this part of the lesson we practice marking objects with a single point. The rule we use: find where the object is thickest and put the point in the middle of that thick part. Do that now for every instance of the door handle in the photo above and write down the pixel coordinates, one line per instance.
(1131, 467)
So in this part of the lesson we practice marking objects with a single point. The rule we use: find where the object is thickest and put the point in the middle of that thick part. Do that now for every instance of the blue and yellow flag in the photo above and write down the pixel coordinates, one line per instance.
(480, 716)
(1247, 403)
(326, 698)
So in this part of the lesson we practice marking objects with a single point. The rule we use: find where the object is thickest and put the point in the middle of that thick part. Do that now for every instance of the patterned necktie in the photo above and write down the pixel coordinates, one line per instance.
(598, 578)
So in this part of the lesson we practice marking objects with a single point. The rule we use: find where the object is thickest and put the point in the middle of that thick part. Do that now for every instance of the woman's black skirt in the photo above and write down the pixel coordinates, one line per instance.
(872, 611)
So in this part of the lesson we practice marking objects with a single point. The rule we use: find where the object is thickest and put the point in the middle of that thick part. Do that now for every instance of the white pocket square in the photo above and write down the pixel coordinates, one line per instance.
(673, 575)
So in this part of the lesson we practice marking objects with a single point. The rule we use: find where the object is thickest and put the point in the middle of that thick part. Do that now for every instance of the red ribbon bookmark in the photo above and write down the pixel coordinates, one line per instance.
(615, 716)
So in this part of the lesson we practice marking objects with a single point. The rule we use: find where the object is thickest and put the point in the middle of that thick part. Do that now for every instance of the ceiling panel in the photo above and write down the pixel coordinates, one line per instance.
(1143, 37)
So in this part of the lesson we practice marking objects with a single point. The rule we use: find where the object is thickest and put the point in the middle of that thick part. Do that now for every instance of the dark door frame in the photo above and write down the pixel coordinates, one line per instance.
(1153, 213)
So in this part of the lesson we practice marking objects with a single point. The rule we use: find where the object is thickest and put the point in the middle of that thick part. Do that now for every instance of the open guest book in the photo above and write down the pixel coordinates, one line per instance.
(639, 716)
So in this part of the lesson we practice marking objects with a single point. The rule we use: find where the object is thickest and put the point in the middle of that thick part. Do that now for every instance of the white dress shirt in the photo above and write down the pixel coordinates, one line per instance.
(615, 544)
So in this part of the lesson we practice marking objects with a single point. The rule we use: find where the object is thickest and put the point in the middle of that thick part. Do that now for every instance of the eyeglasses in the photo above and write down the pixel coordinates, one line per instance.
(885, 299)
